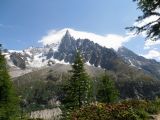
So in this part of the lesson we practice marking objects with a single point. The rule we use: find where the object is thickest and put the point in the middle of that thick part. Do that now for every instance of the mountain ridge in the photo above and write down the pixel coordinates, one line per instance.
(63, 52)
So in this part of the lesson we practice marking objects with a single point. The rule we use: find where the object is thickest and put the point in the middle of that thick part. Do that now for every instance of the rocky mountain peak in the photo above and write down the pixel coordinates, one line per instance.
(67, 34)
(63, 51)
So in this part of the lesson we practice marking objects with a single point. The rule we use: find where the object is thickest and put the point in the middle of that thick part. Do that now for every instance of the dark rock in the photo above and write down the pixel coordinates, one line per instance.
(18, 60)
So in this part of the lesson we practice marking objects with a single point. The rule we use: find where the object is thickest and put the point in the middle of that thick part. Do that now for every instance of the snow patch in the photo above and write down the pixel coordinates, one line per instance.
(17, 51)
(61, 62)
(87, 63)
(131, 64)
(37, 61)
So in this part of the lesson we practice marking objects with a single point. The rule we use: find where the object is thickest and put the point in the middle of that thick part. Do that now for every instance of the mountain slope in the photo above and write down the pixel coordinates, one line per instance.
(149, 66)
(123, 61)
(46, 84)
(46, 70)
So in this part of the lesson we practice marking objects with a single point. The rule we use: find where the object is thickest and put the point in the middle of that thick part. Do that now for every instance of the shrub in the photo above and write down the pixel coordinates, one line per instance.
(100, 111)
(153, 107)
(136, 104)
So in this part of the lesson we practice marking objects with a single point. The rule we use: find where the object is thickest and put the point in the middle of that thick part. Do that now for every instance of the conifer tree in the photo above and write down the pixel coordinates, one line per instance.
(8, 98)
(107, 92)
(77, 93)
(150, 10)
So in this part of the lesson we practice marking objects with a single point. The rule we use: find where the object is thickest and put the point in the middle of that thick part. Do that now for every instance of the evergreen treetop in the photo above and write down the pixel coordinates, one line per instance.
(78, 85)
(149, 8)
(8, 99)
(107, 91)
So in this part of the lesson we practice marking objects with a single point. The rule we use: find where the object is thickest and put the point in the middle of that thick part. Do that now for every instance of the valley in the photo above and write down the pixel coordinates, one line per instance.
(39, 74)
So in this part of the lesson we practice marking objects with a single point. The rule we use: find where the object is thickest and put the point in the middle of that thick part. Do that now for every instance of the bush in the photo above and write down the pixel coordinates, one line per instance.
(153, 107)
(137, 104)
(100, 111)
(27, 118)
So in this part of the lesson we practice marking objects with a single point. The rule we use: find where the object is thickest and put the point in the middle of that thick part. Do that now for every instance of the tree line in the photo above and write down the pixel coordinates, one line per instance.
(78, 90)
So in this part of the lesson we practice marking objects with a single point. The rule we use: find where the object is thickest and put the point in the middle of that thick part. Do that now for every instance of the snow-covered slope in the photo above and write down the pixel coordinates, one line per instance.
(33, 57)
(37, 57)
(60, 47)
(150, 66)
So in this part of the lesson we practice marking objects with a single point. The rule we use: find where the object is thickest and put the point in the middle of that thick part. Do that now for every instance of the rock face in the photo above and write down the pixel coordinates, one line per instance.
(18, 60)
(64, 52)
(93, 54)
(47, 114)
(150, 66)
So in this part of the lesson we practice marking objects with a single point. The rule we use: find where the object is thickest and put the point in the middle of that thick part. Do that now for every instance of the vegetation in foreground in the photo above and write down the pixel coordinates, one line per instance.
(107, 93)
(9, 106)
(80, 101)
(126, 110)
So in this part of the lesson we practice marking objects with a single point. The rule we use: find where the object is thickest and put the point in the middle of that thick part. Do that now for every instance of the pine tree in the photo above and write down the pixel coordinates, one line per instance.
(8, 98)
(150, 9)
(78, 88)
(107, 92)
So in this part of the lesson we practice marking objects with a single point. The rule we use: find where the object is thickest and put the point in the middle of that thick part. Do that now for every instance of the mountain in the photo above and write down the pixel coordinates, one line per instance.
(121, 61)
(39, 73)
(45, 84)
(149, 66)
(61, 52)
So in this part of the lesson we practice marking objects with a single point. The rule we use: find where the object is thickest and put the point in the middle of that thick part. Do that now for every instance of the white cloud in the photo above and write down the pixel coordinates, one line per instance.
(146, 21)
(153, 54)
(110, 40)
(149, 43)
(157, 10)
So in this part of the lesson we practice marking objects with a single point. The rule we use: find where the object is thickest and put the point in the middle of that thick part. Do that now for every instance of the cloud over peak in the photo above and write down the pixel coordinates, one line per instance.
(109, 40)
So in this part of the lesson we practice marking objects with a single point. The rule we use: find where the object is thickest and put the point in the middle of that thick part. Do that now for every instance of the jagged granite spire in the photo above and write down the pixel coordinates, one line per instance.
(67, 41)
(67, 34)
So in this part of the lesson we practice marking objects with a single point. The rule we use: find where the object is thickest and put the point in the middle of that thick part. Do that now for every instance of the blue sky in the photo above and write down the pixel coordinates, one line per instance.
(24, 22)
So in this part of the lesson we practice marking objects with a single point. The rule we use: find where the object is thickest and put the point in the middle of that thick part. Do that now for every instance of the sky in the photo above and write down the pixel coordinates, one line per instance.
(23, 23)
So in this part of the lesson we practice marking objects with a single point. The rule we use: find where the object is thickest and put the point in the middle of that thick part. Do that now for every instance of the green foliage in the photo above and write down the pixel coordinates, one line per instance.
(35, 119)
(77, 88)
(153, 106)
(9, 108)
(149, 8)
(107, 92)
(36, 95)
(39, 91)
(100, 111)
(138, 104)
